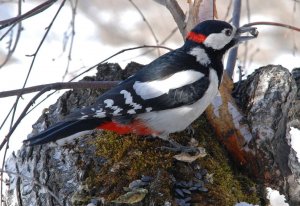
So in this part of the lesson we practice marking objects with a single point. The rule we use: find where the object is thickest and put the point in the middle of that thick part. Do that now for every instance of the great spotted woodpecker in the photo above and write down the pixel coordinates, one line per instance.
(163, 97)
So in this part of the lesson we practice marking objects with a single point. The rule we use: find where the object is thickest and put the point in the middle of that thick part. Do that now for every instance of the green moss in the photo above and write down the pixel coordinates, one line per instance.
(129, 157)
(228, 187)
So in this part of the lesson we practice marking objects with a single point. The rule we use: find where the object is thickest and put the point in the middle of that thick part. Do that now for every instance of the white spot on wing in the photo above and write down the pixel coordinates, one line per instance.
(129, 100)
(148, 109)
(131, 111)
(99, 113)
(110, 104)
(200, 55)
(148, 90)
(219, 40)
(117, 110)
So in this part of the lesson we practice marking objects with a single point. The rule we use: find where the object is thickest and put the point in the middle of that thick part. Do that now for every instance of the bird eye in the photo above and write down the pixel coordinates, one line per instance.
(228, 32)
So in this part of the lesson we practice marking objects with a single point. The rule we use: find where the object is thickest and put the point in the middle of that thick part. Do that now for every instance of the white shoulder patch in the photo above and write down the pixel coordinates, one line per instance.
(148, 90)
(200, 55)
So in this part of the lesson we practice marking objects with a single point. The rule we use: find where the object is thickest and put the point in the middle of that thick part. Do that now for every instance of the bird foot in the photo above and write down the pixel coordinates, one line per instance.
(190, 130)
(176, 147)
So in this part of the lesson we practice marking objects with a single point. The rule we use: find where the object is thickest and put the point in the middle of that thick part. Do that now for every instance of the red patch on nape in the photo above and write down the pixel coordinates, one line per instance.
(199, 38)
(136, 127)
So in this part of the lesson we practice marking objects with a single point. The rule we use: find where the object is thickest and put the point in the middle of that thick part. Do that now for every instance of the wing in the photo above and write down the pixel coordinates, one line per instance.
(172, 80)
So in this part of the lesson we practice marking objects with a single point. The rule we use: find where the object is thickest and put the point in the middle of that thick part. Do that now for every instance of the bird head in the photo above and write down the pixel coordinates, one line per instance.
(218, 36)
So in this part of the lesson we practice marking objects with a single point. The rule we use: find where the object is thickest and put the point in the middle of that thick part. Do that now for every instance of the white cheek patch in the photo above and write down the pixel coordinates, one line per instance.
(148, 90)
(200, 55)
(218, 40)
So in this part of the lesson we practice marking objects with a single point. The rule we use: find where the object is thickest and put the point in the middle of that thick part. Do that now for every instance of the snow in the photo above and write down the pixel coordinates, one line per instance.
(295, 140)
(275, 198)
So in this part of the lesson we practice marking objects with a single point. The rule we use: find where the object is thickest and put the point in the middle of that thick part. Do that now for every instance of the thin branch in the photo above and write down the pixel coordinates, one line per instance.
(61, 85)
(147, 23)
(228, 10)
(169, 36)
(34, 181)
(269, 23)
(11, 48)
(38, 9)
(246, 43)
(23, 114)
(176, 12)
(293, 34)
(72, 26)
(205, 10)
(233, 52)
(35, 55)
(117, 53)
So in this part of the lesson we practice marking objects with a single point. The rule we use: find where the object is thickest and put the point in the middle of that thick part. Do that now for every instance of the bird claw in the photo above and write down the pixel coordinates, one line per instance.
(190, 130)
(176, 147)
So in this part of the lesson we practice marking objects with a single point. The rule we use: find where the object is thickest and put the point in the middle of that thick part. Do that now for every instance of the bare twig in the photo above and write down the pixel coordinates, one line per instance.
(35, 55)
(206, 11)
(228, 10)
(117, 53)
(34, 181)
(246, 43)
(72, 26)
(12, 46)
(233, 52)
(251, 56)
(161, 43)
(61, 85)
(177, 13)
(293, 33)
(193, 15)
(23, 114)
(148, 25)
(32, 12)
(269, 23)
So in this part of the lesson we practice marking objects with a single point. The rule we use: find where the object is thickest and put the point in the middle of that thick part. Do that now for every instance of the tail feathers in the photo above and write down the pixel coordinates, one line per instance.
(62, 130)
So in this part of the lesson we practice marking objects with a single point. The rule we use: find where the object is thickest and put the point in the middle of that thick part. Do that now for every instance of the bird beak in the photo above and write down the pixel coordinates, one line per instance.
(244, 29)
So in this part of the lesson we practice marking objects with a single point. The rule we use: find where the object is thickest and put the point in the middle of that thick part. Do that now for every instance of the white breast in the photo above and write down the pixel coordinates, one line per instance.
(177, 119)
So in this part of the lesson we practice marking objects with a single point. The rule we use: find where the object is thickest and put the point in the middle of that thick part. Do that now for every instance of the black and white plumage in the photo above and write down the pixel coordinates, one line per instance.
(165, 96)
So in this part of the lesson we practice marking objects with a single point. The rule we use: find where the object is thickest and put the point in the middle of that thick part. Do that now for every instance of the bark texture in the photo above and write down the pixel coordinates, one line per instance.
(269, 100)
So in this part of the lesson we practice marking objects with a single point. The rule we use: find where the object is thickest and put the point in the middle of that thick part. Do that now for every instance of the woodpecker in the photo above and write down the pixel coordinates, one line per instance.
(163, 97)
